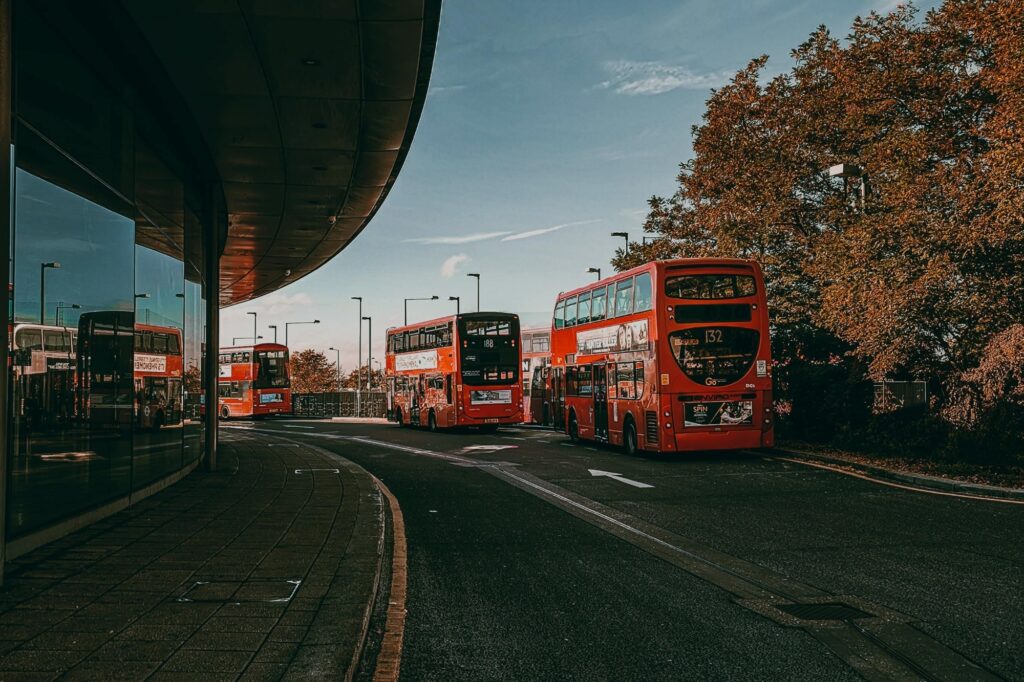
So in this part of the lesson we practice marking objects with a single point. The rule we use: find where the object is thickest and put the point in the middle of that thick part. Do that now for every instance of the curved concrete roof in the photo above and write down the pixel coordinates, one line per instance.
(308, 108)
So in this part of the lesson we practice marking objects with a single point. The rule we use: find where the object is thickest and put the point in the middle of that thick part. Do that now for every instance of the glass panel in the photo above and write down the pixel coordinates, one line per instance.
(597, 307)
(560, 315)
(716, 286)
(489, 352)
(639, 375)
(71, 407)
(715, 356)
(159, 365)
(570, 311)
(583, 311)
(624, 297)
(642, 293)
(624, 380)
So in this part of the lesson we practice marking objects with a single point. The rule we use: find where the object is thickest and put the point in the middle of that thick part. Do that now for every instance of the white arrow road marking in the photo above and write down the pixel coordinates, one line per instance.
(488, 448)
(619, 477)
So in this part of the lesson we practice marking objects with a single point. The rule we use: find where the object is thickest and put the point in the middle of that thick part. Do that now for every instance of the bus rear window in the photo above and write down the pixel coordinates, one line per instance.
(713, 286)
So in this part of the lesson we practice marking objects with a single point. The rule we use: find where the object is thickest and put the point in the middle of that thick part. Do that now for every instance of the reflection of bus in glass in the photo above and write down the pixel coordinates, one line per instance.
(536, 345)
(455, 371)
(104, 373)
(254, 381)
(158, 376)
(669, 356)
(43, 361)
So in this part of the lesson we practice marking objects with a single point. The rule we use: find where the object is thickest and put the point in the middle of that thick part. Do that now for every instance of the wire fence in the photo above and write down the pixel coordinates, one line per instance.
(339, 404)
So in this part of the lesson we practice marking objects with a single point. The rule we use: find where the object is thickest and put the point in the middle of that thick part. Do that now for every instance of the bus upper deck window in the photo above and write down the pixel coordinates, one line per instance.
(642, 293)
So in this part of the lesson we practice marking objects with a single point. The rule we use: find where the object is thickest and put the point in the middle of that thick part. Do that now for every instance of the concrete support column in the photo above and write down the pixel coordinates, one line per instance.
(6, 99)
(211, 285)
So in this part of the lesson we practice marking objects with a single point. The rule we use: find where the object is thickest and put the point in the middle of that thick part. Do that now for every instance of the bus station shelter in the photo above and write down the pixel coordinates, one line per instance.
(161, 160)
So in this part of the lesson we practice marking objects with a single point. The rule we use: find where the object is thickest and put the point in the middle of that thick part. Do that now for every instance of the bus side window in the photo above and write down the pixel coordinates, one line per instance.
(612, 387)
(560, 314)
(597, 307)
(638, 375)
(583, 313)
(448, 389)
(624, 297)
(570, 311)
(642, 293)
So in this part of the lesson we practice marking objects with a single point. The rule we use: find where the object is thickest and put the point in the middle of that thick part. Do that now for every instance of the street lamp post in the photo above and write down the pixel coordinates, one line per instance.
(624, 235)
(43, 267)
(597, 270)
(290, 323)
(432, 298)
(234, 339)
(359, 357)
(274, 327)
(59, 316)
(477, 276)
(457, 303)
(337, 364)
(254, 332)
(369, 352)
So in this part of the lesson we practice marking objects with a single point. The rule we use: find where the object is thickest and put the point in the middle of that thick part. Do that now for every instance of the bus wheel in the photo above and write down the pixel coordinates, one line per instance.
(431, 421)
(629, 443)
(225, 413)
(574, 428)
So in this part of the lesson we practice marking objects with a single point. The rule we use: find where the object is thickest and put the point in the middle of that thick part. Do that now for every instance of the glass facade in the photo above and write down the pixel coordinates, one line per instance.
(108, 301)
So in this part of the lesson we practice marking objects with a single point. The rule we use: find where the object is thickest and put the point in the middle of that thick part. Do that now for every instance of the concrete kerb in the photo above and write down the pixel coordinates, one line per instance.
(937, 483)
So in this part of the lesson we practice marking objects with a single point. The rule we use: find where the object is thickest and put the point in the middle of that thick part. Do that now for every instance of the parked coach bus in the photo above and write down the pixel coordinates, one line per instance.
(669, 356)
(254, 381)
(456, 371)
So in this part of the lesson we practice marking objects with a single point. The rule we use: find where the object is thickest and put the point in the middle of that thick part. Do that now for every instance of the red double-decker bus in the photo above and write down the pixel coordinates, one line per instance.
(670, 356)
(455, 371)
(536, 349)
(158, 376)
(254, 381)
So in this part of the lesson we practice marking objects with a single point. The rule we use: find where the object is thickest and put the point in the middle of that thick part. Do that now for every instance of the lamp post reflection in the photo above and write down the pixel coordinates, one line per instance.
(43, 267)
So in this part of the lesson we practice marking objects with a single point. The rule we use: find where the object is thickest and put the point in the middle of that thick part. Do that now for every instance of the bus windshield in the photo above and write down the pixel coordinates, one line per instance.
(271, 369)
(489, 355)
(715, 356)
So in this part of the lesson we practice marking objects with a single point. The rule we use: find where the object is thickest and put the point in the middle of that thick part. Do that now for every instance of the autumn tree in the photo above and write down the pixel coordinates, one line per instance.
(312, 372)
(921, 275)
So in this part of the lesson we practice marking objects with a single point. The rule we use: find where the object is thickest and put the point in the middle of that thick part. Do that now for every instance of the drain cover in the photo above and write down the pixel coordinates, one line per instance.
(823, 611)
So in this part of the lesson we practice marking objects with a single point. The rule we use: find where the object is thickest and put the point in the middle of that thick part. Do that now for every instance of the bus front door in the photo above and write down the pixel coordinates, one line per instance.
(600, 403)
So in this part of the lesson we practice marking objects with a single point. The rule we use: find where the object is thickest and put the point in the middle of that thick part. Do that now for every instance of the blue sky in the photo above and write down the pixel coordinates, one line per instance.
(548, 125)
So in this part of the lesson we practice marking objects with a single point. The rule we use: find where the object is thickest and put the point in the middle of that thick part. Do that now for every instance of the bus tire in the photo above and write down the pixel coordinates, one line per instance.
(629, 441)
(225, 413)
(574, 428)
(432, 421)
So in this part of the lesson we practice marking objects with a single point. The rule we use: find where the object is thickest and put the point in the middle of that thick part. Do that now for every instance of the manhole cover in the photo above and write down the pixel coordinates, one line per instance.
(253, 590)
(823, 611)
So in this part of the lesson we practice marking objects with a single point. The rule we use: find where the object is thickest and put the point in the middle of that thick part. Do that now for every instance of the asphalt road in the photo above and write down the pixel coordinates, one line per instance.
(525, 565)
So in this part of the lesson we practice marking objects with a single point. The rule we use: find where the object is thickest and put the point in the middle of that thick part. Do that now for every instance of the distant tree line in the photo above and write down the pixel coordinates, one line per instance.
(312, 372)
(911, 266)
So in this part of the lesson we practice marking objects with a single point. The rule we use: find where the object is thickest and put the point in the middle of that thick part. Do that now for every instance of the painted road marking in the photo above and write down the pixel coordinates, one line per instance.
(619, 477)
(295, 426)
(487, 448)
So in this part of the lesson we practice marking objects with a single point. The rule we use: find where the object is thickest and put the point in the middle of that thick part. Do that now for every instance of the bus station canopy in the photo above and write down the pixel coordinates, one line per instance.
(308, 109)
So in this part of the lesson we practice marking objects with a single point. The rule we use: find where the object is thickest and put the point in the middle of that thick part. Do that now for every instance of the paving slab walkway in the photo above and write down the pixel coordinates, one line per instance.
(263, 570)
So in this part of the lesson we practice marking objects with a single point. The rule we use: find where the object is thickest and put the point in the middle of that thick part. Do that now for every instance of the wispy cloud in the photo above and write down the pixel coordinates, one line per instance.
(452, 263)
(276, 304)
(545, 230)
(442, 89)
(456, 239)
(654, 78)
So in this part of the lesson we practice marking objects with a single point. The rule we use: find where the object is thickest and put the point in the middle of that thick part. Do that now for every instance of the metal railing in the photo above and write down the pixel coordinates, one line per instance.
(339, 404)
